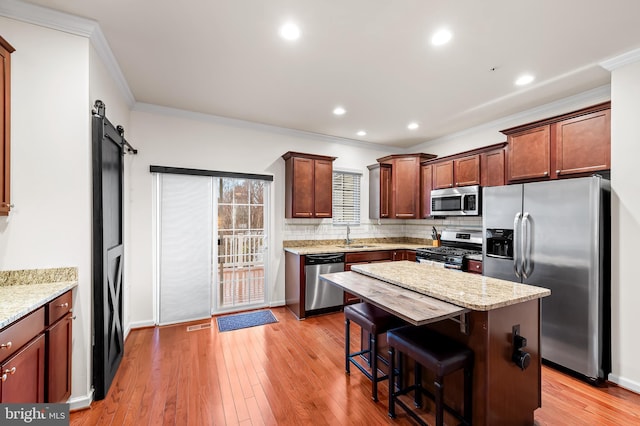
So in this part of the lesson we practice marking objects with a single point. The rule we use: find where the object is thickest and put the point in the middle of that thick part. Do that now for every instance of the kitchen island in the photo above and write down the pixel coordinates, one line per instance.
(483, 313)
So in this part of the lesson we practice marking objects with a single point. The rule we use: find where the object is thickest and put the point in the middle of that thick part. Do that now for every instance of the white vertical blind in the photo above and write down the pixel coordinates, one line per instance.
(346, 198)
(185, 253)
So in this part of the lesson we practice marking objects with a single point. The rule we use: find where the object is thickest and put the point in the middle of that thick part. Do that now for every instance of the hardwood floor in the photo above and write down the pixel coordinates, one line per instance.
(289, 373)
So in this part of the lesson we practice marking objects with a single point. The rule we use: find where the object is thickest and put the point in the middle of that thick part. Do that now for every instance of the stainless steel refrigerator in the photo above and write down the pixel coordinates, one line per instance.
(556, 234)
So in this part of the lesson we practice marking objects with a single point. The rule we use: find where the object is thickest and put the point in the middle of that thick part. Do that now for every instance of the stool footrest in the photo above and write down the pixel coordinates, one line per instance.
(425, 392)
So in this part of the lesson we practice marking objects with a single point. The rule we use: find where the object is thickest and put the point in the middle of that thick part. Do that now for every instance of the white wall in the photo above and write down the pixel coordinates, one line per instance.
(50, 225)
(173, 138)
(625, 151)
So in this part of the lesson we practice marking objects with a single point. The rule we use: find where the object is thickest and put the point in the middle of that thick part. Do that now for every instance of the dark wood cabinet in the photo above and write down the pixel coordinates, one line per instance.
(529, 154)
(405, 184)
(443, 174)
(22, 360)
(409, 255)
(474, 266)
(58, 339)
(426, 185)
(308, 185)
(379, 191)
(358, 258)
(466, 171)
(583, 144)
(5, 126)
(573, 144)
(492, 168)
(23, 377)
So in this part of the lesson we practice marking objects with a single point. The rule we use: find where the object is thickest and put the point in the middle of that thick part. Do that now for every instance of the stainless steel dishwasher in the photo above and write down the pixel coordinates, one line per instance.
(320, 294)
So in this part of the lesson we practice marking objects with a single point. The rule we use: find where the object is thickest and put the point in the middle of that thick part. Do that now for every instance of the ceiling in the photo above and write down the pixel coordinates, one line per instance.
(372, 57)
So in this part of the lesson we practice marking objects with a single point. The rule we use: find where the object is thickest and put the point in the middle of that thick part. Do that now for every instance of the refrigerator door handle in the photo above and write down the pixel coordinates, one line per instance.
(527, 264)
(517, 263)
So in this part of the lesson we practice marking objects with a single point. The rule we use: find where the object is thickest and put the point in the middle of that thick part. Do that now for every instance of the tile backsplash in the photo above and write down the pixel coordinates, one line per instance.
(323, 229)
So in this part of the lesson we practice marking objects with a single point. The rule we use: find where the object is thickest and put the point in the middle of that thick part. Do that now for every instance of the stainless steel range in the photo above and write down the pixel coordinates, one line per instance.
(458, 246)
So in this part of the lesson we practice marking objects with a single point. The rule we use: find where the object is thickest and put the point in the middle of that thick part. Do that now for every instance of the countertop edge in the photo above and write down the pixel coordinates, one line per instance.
(337, 249)
(68, 285)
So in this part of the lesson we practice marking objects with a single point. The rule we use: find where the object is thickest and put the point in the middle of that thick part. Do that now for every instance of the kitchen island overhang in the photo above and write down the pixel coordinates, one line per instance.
(492, 310)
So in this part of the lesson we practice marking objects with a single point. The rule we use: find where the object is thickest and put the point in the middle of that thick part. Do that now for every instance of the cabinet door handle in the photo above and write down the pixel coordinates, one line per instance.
(63, 305)
(11, 371)
(546, 173)
(4, 377)
(557, 172)
(6, 345)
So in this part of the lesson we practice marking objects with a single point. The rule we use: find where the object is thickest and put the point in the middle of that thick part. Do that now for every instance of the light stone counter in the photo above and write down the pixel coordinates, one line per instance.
(22, 292)
(355, 247)
(471, 291)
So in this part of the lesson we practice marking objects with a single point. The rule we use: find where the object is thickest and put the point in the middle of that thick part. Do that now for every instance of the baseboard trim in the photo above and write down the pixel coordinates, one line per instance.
(625, 383)
(81, 402)
(277, 303)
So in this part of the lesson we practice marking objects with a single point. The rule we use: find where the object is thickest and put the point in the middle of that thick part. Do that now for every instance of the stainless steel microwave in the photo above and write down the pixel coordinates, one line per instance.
(460, 201)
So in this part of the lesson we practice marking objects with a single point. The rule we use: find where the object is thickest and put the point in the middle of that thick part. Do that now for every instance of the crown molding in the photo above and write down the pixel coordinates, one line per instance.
(621, 60)
(251, 125)
(64, 22)
(596, 95)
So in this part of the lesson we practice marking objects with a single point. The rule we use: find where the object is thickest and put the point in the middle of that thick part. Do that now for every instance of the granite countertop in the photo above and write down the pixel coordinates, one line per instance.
(22, 292)
(354, 247)
(471, 291)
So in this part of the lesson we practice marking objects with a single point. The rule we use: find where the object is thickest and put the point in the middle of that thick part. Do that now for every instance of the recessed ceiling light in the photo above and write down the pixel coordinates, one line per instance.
(290, 31)
(441, 37)
(524, 79)
(362, 133)
(339, 111)
(412, 126)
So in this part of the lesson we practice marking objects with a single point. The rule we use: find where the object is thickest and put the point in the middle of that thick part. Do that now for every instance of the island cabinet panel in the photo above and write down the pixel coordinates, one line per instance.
(492, 168)
(23, 378)
(58, 339)
(467, 171)
(443, 175)
(583, 144)
(426, 183)
(529, 154)
(5, 126)
(502, 392)
(308, 185)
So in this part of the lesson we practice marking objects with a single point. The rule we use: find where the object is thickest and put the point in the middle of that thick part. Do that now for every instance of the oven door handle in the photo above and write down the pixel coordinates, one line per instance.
(517, 245)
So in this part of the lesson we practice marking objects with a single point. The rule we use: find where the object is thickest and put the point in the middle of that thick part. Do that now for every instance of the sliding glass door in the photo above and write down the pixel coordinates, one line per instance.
(241, 243)
(211, 245)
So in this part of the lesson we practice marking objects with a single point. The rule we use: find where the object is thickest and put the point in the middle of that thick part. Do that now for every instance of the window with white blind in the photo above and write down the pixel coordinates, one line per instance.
(346, 198)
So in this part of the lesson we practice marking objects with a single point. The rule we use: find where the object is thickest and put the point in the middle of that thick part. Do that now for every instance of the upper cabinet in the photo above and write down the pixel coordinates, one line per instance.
(426, 184)
(583, 143)
(572, 144)
(5, 126)
(405, 184)
(462, 171)
(379, 191)
(492, 166)
(308, 185)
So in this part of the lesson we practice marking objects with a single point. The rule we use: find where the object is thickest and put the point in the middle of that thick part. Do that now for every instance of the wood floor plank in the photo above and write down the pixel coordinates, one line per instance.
(290, 373)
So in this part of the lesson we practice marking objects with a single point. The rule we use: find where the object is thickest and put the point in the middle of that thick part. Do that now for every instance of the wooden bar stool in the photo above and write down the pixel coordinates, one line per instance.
(439, 354)
(375, 321)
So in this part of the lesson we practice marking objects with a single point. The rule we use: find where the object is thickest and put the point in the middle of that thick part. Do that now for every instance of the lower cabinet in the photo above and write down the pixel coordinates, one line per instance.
(23, 374)
(474, 266)
(35, 355)
(58, 337)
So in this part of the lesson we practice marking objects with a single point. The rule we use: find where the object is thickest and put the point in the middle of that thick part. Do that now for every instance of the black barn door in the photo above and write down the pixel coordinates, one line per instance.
(108, 250)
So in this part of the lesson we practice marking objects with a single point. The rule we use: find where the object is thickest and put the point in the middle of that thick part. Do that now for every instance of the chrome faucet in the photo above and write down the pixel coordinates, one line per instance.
(348, 240)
